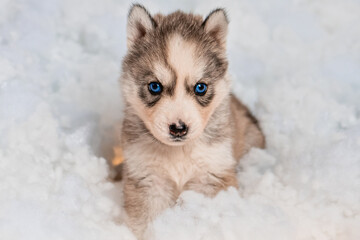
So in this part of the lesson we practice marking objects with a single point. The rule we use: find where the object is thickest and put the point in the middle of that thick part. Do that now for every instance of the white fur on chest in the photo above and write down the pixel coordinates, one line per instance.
(179, 164)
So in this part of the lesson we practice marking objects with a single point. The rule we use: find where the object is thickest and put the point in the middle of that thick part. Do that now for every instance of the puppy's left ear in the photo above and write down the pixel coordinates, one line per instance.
(140, 23)
(216, 24)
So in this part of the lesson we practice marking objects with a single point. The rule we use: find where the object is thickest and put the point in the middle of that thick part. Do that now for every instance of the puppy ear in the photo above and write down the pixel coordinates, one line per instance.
(139, 24)
(216, 24)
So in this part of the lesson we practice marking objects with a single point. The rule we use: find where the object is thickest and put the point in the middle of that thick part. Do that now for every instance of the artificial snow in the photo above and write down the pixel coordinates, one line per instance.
(296, 64)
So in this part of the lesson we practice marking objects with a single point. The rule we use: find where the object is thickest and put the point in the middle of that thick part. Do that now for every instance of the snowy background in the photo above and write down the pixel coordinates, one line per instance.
(295, 63)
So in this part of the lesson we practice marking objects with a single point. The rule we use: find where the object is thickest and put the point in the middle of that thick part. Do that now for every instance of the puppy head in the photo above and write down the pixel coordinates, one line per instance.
(174, 74)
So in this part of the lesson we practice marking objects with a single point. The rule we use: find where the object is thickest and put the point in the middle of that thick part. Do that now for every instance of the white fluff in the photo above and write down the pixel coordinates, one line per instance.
(294, 63)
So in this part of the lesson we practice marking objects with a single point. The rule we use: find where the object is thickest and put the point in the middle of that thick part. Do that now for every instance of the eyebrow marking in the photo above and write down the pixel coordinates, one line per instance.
(166, 75)
(170, 89)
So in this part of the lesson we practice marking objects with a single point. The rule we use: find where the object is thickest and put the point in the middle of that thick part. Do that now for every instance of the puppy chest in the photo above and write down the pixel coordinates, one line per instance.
(181, 170)
(179, 165)
(199, 163)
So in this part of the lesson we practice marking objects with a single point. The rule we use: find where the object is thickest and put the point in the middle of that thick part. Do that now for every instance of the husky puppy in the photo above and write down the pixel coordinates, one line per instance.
(182, 128)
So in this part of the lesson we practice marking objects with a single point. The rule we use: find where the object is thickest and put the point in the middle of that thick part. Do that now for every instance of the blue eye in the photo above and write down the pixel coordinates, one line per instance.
(200, 89)
(155, 88)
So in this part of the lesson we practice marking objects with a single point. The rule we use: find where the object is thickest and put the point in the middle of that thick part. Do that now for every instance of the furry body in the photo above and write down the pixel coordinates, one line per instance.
(179, 51)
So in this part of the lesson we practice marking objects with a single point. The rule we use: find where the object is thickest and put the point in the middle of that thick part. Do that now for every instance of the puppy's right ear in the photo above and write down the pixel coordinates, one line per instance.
(139, 24)
(216, 25)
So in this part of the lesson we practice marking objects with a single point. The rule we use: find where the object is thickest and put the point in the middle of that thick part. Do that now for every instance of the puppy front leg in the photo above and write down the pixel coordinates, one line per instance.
(211, 183)
(144, 199)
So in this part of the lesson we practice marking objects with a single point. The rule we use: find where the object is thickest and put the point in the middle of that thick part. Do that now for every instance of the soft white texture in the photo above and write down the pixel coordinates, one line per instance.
(296, 64)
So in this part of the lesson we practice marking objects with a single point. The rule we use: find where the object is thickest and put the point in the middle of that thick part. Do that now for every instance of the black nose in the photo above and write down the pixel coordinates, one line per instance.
(178, 130)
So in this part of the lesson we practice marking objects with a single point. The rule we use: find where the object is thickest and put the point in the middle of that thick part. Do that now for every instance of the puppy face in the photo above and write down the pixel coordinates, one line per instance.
(174, 74)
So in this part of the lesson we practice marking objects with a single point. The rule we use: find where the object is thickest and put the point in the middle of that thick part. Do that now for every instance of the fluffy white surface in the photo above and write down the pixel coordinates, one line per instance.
(295, 63)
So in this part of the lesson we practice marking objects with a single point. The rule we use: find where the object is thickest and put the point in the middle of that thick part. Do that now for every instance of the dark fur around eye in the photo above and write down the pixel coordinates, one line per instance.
(205, 99)
(147, 98)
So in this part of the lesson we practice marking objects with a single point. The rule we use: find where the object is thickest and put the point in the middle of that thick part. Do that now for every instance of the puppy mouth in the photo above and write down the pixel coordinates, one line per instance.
(178, 135)
(178, 139)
